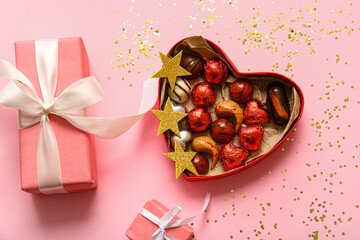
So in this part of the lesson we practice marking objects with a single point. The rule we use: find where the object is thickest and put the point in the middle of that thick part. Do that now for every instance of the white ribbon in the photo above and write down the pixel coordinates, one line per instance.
(165, 221)
(19, 93)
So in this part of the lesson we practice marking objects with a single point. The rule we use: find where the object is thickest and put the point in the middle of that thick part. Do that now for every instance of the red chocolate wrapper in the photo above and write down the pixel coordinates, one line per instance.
(255, 113)
(76, 148)
(203, 95)
(215, 71)
(198, 120)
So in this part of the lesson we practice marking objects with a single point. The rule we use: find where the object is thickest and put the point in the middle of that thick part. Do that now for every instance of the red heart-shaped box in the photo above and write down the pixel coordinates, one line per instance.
(257, 75)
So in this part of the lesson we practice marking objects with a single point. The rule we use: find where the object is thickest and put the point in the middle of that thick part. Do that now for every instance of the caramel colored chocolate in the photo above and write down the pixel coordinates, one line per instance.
(192, 65)
(278, 104)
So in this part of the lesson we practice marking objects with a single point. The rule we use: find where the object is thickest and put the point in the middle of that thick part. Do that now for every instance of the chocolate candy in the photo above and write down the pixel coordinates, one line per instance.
(203, 95)
(255, 113)
(198, 120)
(186, 137)
(277, 101)
(181, 92)
(206, 145)
(178, 108)
(215, 71)
(201, 163)
(241, 91)
(228, 108)
(222, 130)
(232, 156)
(192, 65)
(251, 136)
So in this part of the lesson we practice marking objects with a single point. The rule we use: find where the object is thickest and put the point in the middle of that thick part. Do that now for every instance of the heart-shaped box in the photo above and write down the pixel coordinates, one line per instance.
(274, 135)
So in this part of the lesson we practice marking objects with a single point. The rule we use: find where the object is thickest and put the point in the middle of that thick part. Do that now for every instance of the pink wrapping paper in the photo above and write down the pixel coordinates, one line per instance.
(76, 148)
(142, 228)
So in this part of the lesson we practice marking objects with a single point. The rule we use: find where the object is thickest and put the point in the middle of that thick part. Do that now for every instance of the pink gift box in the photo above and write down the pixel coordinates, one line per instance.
(76, 148)
(142, 228)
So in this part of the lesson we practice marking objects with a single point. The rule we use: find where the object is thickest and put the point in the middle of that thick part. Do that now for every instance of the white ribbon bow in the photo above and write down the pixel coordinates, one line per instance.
(165, 221)
(19, 93)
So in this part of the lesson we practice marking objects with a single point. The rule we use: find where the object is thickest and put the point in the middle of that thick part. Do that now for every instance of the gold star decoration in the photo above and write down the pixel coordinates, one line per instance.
(169, 119)
(182, 160)
(171, 69)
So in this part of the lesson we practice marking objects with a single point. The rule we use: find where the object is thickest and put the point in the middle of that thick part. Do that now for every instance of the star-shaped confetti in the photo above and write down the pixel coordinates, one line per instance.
(171, 69)
(182, 160)
(169, 119)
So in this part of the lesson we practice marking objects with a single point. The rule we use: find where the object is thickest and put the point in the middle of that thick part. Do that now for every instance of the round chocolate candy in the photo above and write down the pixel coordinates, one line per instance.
(201, 163)
(277, 101)
(186, 137)
(222, 130)
(241, 91)
(215, 71)
(193, 65)
(203, 95)
(178, 108)
(198, 120)
(181, 92)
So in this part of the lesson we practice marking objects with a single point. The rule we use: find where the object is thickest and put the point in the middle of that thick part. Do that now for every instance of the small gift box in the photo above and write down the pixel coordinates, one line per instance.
(142, 228)
(157, 222)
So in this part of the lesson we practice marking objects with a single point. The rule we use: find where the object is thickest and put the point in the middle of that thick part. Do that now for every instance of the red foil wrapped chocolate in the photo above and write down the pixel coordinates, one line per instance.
(251, 136)
(222, 130)
(232, 156)
(241, 91)
(255, 113)
(203, 95)
(215, 71)
(198, 120)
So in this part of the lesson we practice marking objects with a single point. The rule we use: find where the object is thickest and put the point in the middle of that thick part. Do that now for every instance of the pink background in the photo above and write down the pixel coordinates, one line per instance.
(309, 184)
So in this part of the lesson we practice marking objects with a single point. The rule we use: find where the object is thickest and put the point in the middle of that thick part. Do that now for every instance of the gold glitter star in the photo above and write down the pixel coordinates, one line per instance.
(171, 69)
(182, 160)
(169, 119)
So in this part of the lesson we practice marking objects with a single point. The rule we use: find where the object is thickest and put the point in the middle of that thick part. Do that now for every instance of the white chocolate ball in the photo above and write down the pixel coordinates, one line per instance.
(181, 92)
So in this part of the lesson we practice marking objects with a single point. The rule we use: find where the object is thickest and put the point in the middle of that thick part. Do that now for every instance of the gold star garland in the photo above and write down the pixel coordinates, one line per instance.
(182, 160)
(169, 119)
(171, 69)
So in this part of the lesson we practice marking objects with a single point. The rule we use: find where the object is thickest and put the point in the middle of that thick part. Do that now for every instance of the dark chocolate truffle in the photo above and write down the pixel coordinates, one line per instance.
(193, 65)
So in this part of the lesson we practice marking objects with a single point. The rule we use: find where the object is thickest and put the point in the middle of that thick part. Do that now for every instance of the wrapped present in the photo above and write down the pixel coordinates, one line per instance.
(76, 147)
(156, 222)
(52, 89)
